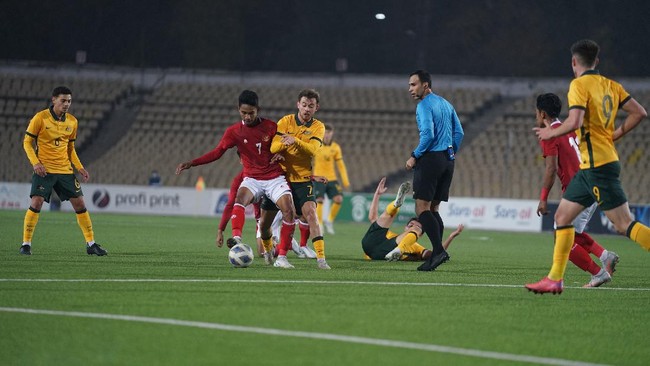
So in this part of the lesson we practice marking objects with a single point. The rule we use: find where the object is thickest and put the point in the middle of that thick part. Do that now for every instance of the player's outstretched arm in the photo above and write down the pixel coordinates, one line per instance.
(373, 212)
(277, 144)
(572, 123)
(452, 236)
(183, 166)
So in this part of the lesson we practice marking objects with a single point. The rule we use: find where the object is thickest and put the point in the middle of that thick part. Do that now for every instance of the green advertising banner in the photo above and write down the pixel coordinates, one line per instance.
(356, 205)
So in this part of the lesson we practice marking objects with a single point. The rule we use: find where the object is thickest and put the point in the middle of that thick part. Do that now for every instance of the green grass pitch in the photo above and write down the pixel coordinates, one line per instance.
(165, 295)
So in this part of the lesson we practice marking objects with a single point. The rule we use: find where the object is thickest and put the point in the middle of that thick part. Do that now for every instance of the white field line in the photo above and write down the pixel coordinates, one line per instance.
(311, 335)
(317, 282)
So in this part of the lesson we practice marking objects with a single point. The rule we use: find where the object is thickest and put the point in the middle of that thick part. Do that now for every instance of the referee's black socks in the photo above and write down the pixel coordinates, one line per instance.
(431, 226)
(441, 224)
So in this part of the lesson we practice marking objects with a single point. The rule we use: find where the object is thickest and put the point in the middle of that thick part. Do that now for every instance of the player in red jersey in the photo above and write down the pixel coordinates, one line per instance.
(562, 156)
(252, 136)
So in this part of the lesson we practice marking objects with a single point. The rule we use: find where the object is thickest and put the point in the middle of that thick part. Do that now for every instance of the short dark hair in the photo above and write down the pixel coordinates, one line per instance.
(61, 90)
(423, 76)
(549, 103)
(309, 94)
(586, 52)
(412, 219)
(249, 97)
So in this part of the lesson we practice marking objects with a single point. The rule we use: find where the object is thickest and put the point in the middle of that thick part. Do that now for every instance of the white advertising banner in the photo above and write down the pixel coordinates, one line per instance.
(130, 199)
(474, 213)
(492, 214)
(15, 195)
(152, 200)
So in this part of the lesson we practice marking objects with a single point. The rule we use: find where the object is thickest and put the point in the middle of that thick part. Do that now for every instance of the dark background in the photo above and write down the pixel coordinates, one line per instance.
(464, 37)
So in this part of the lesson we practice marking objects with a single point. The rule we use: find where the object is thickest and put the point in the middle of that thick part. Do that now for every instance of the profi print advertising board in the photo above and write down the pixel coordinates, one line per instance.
(129, 199)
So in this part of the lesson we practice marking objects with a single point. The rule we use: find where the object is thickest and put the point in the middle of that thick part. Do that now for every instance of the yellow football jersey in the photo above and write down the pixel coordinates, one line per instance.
(328, 158)
(601, 99)
(54, 142)
(298, 157)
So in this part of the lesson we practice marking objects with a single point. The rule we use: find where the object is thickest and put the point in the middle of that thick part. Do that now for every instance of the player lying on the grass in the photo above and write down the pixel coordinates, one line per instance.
(380, 243)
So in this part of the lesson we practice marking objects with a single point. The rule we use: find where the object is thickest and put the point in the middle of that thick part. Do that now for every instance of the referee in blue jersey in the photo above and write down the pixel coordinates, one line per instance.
(433, 161)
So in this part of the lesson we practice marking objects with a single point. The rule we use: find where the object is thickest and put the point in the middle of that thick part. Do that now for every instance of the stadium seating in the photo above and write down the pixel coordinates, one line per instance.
(21, 96)
(181, 119)
(187, 119)
(505, 159)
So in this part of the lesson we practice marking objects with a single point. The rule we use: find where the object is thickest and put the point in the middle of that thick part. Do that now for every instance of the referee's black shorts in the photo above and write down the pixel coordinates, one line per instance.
(432, 176)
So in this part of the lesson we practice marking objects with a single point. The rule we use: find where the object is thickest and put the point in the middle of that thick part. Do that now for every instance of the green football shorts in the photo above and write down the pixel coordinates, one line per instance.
(65, 185)
(332, 189)
(302, 192)
(601, 184)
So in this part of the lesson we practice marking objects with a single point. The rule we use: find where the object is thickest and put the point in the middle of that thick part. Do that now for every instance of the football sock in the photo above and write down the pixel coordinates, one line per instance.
(584, 240)
(639, 233)
(29, 224)
(563, 242)
(406, 244)
(304, 232)
(603, 256)
(430, 226)
(334, 210)
(418, 249)
(391, 209)
(83, 220)
(237, 219)
(286, 234)
(580, 257)
(319, 247)
(276, 251)
(441, 224)
(267, 244)
(319, 212)
(594, 268)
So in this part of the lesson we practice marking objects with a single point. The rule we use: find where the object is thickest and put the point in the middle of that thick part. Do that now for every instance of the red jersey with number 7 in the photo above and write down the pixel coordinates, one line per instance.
(254, 145)
(566, 149)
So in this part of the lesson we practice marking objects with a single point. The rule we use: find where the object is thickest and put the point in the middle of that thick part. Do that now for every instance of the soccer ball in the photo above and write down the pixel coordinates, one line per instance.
(241, 255)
